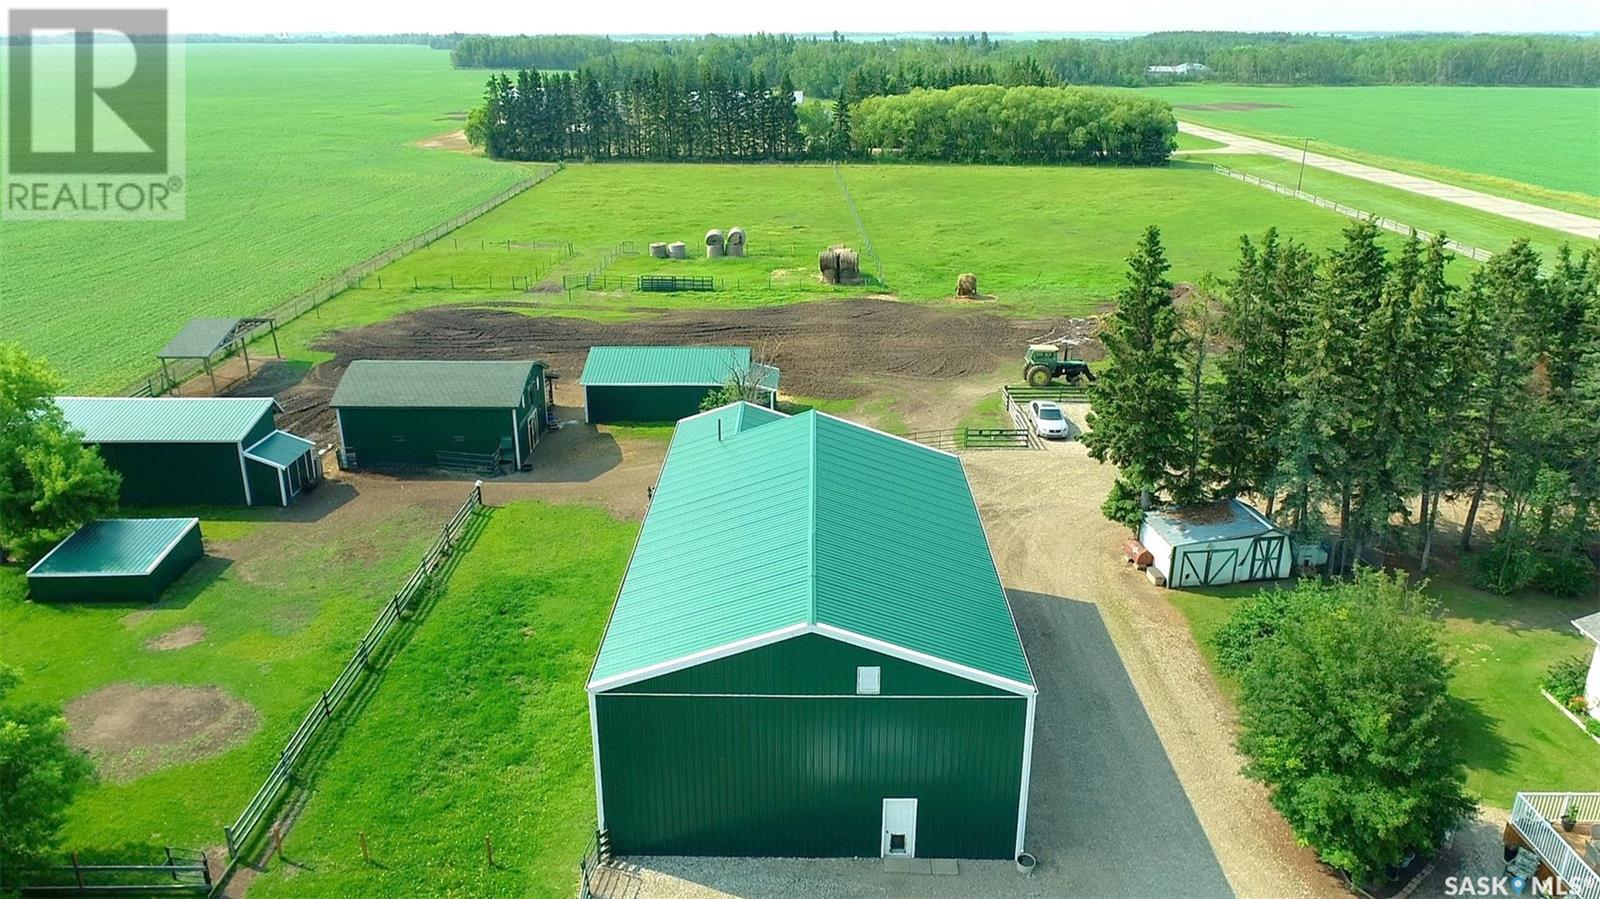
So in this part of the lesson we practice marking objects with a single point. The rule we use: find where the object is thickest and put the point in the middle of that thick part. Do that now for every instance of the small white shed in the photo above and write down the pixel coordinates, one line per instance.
(1589, 626)
(1222, 543)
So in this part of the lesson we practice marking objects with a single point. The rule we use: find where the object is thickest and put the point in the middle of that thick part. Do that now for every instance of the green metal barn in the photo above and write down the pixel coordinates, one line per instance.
(447, 414)
(664, 383)
(810, 655)
(117, 559)
(177, 451)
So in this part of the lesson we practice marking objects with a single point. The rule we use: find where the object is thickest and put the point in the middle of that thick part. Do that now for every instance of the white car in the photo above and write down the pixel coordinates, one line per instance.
(1048, 420)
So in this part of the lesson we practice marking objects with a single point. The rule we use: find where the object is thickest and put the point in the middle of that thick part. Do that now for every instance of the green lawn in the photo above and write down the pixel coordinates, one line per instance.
(1513, 740)
(1192, 142)
(479, 726)
(1533, 143)
(300, 163)
(1470, 226)
(282, 611)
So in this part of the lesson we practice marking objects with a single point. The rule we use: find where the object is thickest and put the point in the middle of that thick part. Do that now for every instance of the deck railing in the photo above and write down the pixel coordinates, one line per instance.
(1532, 814)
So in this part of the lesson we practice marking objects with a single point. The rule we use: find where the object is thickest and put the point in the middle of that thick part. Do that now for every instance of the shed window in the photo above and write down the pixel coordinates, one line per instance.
(869, 680)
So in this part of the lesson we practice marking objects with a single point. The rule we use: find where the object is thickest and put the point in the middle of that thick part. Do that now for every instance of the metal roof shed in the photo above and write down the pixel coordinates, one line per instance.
(194, 450)
(117, 559)
(810, 654)
(202, 338)
(440, 413)
(665, 383)
(1222, 543)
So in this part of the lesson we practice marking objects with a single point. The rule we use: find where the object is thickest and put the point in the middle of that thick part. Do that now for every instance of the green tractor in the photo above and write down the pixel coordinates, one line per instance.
(1046, 362)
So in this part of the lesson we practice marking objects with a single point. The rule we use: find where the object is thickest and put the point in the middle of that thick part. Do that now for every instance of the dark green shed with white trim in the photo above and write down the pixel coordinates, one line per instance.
(665, 383)
(443, 413)
(180, 451)
(792, 670)
(117, 559)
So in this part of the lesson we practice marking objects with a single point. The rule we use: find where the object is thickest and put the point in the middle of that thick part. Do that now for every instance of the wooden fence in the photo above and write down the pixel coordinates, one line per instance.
(259, 810)
(1531, 816)
(326, 289)
(184, 870)
(1471, 252)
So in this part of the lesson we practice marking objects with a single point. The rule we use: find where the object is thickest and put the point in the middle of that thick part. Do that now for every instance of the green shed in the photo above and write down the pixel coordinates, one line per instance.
(447, 414)
(117, 559)
(179, 451)
(811, 654)
(665, 383)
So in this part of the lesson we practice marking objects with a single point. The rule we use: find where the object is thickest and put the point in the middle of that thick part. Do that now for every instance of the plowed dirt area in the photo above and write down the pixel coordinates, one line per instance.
(833, 350)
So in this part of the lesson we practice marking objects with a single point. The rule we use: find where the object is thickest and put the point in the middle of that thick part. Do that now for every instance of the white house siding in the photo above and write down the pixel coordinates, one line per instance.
(1159, 548)
(1591, 689)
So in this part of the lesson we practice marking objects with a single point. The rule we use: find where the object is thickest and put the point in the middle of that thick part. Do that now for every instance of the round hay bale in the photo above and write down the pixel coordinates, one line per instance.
(967, 285)
(659, 249)
(713, 244)
(677, 250)
(735, 242)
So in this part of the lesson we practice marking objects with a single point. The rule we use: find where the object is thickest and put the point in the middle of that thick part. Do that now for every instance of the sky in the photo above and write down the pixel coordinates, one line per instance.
(733, 17)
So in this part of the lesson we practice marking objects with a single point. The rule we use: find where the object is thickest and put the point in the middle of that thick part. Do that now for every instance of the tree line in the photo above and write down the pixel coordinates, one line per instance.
(823, 66)
(1360, 389)
(658, 117)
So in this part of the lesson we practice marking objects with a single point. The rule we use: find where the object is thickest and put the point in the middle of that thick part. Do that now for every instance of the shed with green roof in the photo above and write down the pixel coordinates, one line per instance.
(117, 559)
(180, 451)
(810, 654)
(666, 383)
(440, 413)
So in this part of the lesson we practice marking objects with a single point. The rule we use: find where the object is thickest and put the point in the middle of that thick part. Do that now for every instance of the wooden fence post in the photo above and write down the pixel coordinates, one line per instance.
(488, 848)
(364, 856)
(277, 841)
(76, 871)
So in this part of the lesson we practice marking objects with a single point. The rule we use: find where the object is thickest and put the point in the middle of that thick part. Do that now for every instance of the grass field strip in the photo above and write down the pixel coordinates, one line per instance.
(258, 810)
(861, 226)
(328, 288)
(1477, 254)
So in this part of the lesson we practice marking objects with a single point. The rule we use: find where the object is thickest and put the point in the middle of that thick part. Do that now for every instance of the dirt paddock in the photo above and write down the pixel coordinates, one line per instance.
(834, 350)
(131, 730)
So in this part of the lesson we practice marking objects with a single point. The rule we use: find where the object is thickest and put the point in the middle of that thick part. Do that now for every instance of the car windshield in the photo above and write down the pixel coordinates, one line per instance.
(1050, 413)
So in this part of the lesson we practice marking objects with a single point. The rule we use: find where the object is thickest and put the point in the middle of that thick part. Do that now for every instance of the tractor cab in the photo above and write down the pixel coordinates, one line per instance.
(1045, 362)
(1043, 354)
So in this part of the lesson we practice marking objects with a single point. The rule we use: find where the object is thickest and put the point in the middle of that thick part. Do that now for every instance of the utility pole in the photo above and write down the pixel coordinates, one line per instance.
(1303, 148)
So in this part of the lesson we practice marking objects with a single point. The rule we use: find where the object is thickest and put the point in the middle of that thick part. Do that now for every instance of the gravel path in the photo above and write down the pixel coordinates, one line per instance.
(1568, 222)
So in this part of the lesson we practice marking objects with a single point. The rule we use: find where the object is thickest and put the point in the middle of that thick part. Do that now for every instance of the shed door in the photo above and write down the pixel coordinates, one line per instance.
(899, 828)
(1266, 555)
(1201, 567)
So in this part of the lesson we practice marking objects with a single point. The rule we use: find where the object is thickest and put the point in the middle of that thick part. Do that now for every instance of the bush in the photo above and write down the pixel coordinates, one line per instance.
(1257, 619)
(1506, 567)
(1346, 719)
(1568, 574)
(1565, 679)
(1122, 505)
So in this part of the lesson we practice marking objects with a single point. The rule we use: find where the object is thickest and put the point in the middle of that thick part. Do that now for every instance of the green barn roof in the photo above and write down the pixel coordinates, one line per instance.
(660, 366)
(114, 546)
(433, 384)
(121, 419)
(763, 523)
(279, 449)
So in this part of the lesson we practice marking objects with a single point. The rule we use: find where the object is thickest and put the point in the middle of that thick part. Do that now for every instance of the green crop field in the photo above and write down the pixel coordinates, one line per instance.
(1533, 143)
(300, 163)
(277, 604)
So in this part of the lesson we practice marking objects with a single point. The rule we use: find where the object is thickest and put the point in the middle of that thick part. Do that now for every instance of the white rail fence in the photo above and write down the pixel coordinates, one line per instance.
(1471, 252)
(1532, 814)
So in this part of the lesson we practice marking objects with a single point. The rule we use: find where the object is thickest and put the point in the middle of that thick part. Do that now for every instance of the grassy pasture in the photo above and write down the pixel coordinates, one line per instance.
(1512, 738)
(1531, 143)
(283, 603)
(1039, 239)
(300, 163)
(480, 727)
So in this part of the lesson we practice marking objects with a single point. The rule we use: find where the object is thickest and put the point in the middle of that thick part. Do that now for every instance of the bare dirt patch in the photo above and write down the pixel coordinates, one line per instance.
(178, 638)
(1228, 106)
(131, 730)
(454, 141)
(835, 350)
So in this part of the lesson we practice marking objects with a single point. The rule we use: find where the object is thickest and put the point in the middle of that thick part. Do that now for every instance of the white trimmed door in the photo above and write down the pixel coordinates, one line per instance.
(899, 828)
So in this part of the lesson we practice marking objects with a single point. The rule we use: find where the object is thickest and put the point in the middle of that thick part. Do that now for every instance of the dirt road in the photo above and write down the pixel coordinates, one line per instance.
(1568, 222)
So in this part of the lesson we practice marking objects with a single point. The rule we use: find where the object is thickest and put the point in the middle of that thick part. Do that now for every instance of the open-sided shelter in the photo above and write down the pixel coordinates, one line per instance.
(810, 654)
(203, 339)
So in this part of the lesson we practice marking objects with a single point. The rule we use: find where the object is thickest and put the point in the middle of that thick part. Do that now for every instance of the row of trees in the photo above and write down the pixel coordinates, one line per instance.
(1362, 387)
(988, 123)
(656, 116)
(823, 66)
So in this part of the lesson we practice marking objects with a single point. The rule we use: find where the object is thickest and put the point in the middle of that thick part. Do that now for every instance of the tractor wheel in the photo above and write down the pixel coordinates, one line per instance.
(1037, 376)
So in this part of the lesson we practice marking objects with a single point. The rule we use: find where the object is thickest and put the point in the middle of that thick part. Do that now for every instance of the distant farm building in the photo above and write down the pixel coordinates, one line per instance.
(1181, 70)
(665, 383)
(447, 414)
(117, 559)
(170, 451)
(1222, 543)
(811, 654)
